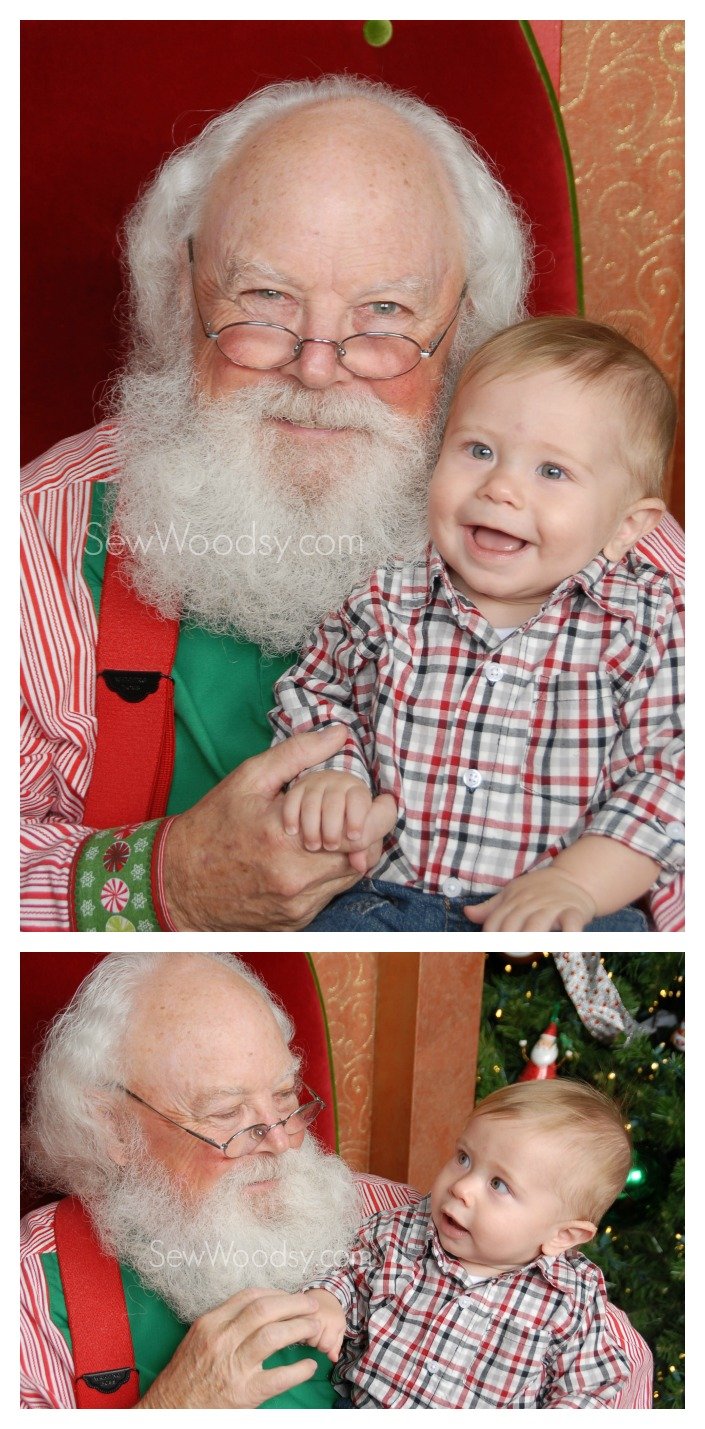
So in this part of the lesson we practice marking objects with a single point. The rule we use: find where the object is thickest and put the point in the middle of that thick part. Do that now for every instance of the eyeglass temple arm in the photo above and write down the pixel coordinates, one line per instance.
(432, 348)
(213, 336)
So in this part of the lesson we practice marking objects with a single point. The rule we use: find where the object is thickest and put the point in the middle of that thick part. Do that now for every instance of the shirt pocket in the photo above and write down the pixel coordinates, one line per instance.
(572, 729)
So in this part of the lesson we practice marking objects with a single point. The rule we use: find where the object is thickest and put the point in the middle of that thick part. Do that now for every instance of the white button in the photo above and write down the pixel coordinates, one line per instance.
(465, 1301)
(676, 830)
(473, 778)
(452, 887)
(493, 673)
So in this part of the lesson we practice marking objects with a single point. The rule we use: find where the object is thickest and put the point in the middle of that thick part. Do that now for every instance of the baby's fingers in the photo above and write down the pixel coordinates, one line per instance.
(358, 803)
(291, 808)
(333, 808)
(311, 815)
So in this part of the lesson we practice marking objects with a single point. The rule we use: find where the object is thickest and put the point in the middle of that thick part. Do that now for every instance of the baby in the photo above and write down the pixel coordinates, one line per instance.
(475, 1298)
(518, 692)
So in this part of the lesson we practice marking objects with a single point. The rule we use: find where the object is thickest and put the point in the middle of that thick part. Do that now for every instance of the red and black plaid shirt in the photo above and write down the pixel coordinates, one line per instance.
(423, 1332)
(503, 749)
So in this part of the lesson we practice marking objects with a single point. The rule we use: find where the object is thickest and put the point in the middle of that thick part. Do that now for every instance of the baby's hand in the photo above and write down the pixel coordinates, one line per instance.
(331, 1317)
(326, 808)
(544, 901)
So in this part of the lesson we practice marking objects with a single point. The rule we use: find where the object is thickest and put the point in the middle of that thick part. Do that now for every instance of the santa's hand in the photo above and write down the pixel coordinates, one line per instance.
(544, 901)
(218, 1364)
(228, 863)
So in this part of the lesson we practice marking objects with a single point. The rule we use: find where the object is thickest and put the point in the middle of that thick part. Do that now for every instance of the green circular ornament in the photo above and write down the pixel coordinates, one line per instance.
(377, 32)
(638, 1182)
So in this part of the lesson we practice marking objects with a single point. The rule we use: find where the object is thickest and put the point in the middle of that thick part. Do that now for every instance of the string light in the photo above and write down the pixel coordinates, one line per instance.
(528, 994)
(498, 1013)
(611, 1076)
(507, 967)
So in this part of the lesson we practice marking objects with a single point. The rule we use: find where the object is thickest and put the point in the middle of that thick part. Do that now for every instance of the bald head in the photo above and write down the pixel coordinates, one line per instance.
(195, 1020)
(335, 168)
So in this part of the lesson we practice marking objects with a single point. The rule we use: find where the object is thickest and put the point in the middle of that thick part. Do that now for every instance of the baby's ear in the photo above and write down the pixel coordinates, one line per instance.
(565, 1237)
(637, 521)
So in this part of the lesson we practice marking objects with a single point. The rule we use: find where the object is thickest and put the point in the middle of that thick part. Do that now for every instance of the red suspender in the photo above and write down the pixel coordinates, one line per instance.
(105, 1376)
(134, 757)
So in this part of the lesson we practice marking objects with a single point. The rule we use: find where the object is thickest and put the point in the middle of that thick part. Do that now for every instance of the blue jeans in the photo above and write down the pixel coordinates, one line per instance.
(375, 906)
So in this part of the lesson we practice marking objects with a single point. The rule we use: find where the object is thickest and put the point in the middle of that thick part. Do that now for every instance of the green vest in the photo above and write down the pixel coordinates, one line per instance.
(156, 1333)
(222, 688)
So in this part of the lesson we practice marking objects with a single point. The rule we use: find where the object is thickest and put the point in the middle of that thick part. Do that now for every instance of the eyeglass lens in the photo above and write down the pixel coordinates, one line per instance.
(365, 355)
(293, 1124)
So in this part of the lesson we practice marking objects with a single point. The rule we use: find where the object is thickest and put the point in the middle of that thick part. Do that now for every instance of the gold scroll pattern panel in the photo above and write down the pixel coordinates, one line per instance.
(622, 102)
(349, 988)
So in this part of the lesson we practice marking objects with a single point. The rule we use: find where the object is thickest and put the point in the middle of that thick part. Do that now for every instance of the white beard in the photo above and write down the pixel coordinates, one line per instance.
(195, 1255)
(238, 527)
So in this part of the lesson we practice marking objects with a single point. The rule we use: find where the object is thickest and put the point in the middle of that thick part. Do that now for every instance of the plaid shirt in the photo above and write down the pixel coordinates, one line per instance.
(423, 1332)
(503, 749)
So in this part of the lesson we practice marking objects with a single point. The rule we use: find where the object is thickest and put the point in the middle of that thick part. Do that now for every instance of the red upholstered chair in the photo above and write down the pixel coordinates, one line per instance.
(106, 100)
(49, 980)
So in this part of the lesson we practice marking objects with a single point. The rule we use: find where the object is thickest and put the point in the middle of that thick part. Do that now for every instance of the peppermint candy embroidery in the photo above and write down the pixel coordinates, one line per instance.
(116, 856)
(114, 895)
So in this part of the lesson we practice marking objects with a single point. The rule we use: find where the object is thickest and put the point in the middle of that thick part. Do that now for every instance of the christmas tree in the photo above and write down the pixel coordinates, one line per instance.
(640, 1242)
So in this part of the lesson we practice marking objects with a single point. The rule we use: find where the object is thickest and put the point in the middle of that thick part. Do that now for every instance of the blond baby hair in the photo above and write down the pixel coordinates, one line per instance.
(595, 1146)
(594, 354)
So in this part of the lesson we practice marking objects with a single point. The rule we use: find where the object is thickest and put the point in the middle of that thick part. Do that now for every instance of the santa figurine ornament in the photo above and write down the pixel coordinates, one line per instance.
(542, 1063)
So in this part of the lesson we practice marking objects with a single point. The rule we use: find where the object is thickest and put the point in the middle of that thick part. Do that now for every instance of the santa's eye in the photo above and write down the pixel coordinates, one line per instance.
(552, 471)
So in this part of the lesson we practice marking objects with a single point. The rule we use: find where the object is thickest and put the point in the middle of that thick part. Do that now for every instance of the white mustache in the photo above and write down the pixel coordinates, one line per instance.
(335, 407)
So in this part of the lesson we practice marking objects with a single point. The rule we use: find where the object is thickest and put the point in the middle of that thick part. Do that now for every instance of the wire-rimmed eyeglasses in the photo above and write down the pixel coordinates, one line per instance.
(377, 356)
(296, 1122)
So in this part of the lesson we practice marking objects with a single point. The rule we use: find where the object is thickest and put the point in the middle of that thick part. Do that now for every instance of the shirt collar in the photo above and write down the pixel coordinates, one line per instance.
(608, 583)
(432, 574)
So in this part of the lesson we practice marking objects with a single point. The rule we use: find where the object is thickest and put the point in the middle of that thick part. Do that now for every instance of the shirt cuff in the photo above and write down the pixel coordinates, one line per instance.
(116, 881)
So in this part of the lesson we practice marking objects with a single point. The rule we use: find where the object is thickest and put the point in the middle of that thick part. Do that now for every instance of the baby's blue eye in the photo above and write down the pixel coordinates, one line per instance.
(498, 1185)
(462, 1158)
(481, 452)
(551, 471)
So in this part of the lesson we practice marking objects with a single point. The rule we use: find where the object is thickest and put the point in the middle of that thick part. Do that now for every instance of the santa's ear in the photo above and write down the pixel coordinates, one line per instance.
(565, 1237)
(105, 1112)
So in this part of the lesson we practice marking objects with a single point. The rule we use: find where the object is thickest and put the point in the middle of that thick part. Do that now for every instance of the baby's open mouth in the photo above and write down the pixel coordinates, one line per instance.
(452, 1224)
(487, 538)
